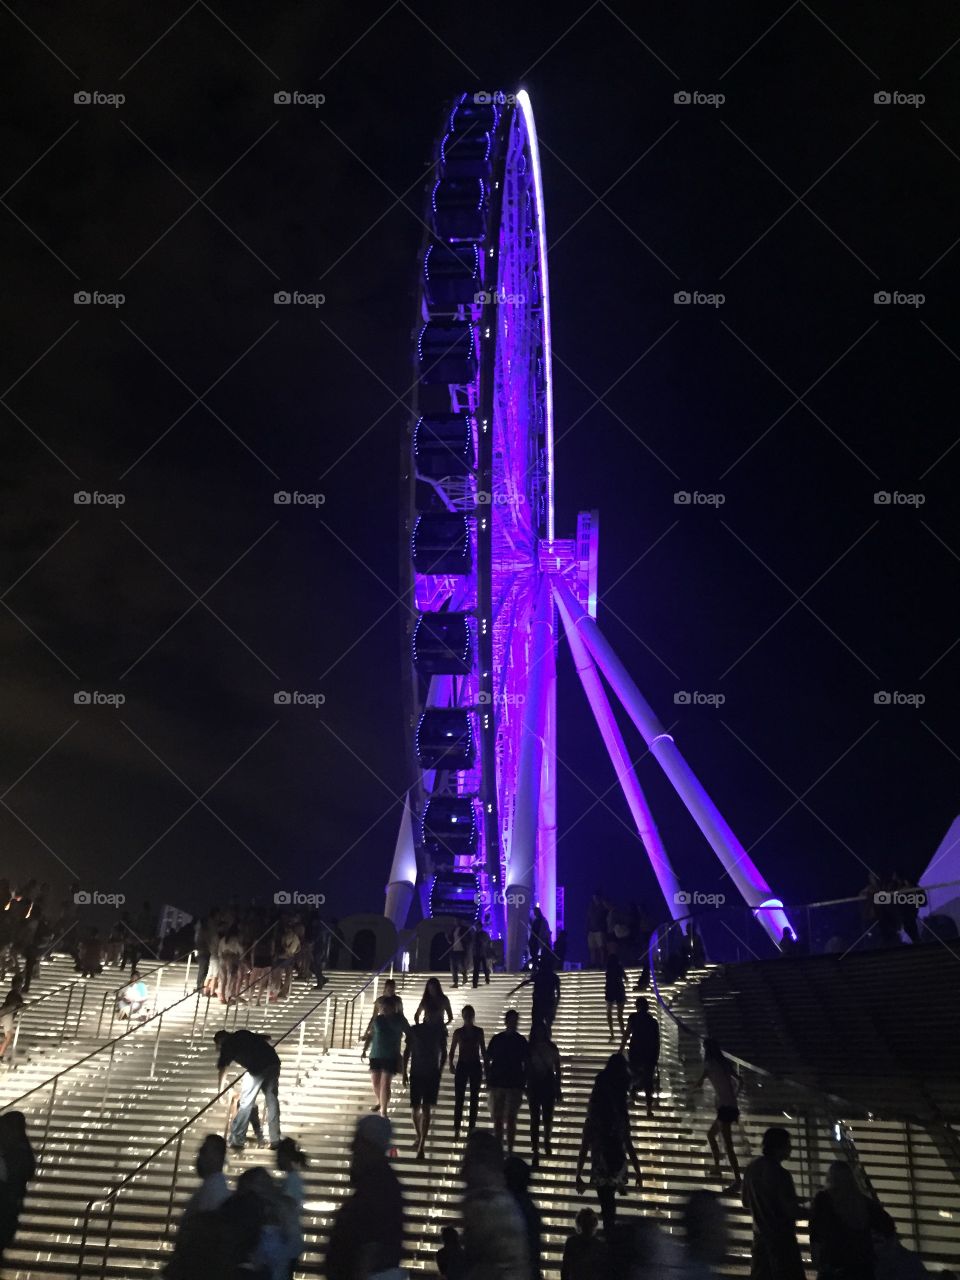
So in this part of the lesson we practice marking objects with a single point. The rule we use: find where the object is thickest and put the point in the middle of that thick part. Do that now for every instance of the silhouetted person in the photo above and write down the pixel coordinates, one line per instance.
(543, 1087)
(607, 1141)
(842, 1221)
(614, 988)
(494, 1232)
(18, 1168)
(546, 990)
(641, 1039)
(769, 1195)
(517, 1174)
(726, 1087)
(468, 1051)
(213, 1190)
(506, 1077)
(539, 941)
(367, 1233)
(259, 1059)
(705, 1233)
(584, 1253)
(450, 1254)
(424, 1056)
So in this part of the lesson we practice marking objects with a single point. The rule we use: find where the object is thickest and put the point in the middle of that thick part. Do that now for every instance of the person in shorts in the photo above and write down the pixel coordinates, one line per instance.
(383, 1040)
(507, 1056)
(722, 1074)
(423, 1059)
(641, 1039)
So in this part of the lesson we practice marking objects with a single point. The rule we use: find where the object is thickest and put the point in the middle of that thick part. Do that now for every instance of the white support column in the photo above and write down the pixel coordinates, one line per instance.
(403, 872)
(546, 876)
(623, 767)
(735, 859)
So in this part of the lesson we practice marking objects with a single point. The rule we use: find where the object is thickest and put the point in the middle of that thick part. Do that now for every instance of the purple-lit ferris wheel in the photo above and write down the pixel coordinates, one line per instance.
(485, 574)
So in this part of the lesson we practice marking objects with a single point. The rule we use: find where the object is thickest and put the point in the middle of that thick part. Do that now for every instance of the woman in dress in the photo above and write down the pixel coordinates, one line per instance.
(434, 1005)
(606, 1139)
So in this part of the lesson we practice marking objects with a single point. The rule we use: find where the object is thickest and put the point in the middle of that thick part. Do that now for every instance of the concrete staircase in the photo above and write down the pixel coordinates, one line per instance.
(95, 1141)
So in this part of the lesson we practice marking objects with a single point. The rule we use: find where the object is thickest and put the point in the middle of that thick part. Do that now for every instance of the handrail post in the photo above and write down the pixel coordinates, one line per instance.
(103, 1009)
(156, 1046)
(303, 1027)
(63, 1024)
(82, 1251)
(156, 996)
(106, 1238)
(46, 1127)
(83, 1005)
(326, 1027)
(106, 1083)
(186, 976)
(173, 1185)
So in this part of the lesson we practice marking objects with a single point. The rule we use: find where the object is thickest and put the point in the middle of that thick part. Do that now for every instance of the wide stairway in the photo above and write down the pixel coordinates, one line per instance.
(100, 1133)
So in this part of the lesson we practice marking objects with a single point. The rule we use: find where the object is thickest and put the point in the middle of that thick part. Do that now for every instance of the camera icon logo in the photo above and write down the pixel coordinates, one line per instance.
(282, 98)
(682, 98)
(883, 897)
(681, 498)
(82, 98)
(681, 698)
(882, 298)
(482, 297)
(82, 298)
(82, 498)
(882, 699)
(282, 298)
(81, 698)
(282, 898)
(882, 498)
(282, 699)
(682, 298)
(882, 98)
(682, 899)
(482, 98)
(484, 699)
(82, 898)
(282, 498)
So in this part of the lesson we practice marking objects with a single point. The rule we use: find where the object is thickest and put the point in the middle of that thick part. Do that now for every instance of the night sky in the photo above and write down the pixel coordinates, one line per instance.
(796, 399)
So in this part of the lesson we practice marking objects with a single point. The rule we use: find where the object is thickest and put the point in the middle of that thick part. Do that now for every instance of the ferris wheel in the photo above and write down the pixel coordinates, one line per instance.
(486, 579)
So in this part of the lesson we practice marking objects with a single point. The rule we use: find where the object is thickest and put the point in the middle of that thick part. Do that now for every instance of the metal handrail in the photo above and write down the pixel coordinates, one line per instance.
(828, 1103)
(70, 988)
(114, 1192)
(361, 995)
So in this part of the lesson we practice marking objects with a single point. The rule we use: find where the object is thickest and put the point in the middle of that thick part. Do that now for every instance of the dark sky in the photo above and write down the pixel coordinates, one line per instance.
(798, 599)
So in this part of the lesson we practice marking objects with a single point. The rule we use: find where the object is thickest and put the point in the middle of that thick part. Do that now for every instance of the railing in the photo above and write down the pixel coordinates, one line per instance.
(28, 1008)
(114, 995)
(348, 1023)
(810, 1109)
